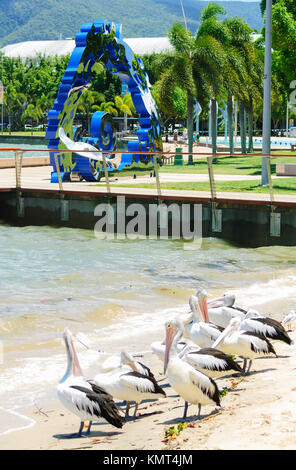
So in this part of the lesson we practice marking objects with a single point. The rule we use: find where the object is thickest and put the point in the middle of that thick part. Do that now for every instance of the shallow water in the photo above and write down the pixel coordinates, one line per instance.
(10, 154)
(111, 293)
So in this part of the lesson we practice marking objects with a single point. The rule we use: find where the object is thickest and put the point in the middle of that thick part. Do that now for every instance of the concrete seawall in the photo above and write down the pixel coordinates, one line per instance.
(250, 223)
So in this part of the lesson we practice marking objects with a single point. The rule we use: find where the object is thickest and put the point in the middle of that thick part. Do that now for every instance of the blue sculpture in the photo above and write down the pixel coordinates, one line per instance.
(101, 42)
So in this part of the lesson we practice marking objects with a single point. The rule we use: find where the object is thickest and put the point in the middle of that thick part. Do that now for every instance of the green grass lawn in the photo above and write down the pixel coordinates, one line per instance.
(24, 133)
(280, 186)
(225, 165)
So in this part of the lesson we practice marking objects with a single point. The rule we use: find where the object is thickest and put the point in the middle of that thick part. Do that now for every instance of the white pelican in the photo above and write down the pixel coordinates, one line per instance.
(85, 400)
(128, 360)
(265, 326)
(158, 347)
(124, 358)
(243, 343)
(225, 300)
(220, 316)
(200, 330)
(289, 319)
(193, 386)
(129, 386)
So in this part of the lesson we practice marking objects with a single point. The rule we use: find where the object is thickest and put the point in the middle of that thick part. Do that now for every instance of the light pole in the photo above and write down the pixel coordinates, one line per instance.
(183, 14)
(267, 93)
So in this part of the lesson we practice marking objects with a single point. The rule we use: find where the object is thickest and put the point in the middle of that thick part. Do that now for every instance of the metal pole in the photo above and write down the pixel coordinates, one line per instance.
(58, 171)
(267, 93)
(106, 173)
(183, 14)
(158, 187)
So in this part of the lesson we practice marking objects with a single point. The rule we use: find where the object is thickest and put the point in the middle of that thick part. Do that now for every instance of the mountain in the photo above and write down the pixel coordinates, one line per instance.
(29, 20)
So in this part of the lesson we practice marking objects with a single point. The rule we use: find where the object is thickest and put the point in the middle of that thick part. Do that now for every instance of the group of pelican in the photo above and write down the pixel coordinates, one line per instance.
(198, 348)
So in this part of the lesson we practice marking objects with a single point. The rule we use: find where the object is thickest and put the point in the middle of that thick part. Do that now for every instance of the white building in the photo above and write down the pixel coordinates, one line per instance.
(31, 49)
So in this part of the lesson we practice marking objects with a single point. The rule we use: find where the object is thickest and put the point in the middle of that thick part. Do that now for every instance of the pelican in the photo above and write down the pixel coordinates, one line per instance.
(85, 400)
(220, 316)
(289, 319)
(124, 358)
(200, 330)
(193, 386)
(243, 343)
(158, 347)
(129, 385)
(265, 326)
(127, 359)
(225, 300)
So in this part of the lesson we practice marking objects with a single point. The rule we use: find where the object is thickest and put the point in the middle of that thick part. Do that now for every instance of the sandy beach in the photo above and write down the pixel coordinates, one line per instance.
(259, 413)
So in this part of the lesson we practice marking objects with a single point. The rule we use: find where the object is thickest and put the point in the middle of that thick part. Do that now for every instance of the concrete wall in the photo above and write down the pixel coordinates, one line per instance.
(245, 224)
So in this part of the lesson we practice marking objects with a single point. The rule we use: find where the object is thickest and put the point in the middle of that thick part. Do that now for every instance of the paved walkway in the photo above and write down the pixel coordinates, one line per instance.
(39, 178)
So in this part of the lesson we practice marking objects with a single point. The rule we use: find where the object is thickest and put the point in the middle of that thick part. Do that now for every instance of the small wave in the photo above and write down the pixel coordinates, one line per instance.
(14, 414)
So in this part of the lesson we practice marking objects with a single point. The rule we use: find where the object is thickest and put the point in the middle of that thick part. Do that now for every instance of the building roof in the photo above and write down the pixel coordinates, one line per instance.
(29, 49)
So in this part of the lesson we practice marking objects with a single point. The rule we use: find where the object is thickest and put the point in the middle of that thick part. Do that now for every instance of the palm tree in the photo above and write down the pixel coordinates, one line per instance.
(13, 102)
(32, 112)
(87, 102)
(246, 82)
(195, 65)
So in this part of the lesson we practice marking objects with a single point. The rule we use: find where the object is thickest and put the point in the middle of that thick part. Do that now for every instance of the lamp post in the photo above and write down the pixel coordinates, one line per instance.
(267, 93)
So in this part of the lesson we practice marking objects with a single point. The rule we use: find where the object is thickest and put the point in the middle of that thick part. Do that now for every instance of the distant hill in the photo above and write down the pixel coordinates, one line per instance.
(28, 20)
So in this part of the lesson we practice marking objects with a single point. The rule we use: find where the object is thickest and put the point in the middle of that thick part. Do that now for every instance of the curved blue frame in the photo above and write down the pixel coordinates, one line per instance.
(102, 42)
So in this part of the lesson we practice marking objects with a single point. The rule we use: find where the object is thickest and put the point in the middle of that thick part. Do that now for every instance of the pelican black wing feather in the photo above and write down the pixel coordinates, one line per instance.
(270, 348)
(279, 331)
(231, 364)
(156, 387)
(108, 409)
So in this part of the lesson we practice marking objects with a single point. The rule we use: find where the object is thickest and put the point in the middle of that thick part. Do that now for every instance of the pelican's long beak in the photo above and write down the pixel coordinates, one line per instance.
(77, 372)
(170, 334)
(203, 306)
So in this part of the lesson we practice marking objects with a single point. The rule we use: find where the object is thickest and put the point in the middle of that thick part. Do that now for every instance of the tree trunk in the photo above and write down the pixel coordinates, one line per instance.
(190, 127)
(242, 123)
(251, 131)
(230, 123)
(214, 125)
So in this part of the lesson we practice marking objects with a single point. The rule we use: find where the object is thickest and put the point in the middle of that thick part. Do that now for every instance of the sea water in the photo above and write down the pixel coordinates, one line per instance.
(33, 150)
(112, 294)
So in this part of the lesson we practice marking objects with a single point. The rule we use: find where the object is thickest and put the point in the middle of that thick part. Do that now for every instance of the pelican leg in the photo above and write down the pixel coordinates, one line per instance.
(198, 415)
(79, 434)
(127, 409)
(88, 429)
(136, 409)
(185, 409)
(244, 365)
(250, 363)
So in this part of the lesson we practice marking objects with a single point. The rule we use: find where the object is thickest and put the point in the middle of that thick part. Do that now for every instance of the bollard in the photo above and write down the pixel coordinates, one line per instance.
(178, 160)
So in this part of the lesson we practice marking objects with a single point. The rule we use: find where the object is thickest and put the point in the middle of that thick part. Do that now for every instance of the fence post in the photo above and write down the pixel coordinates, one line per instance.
(157, 176)
(18, 157)
(106, 173)
(58, 171)
(275, 217)
(216, 213)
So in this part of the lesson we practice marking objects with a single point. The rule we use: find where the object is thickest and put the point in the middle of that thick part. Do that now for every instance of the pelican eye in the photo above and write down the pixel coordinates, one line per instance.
(169, 325)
